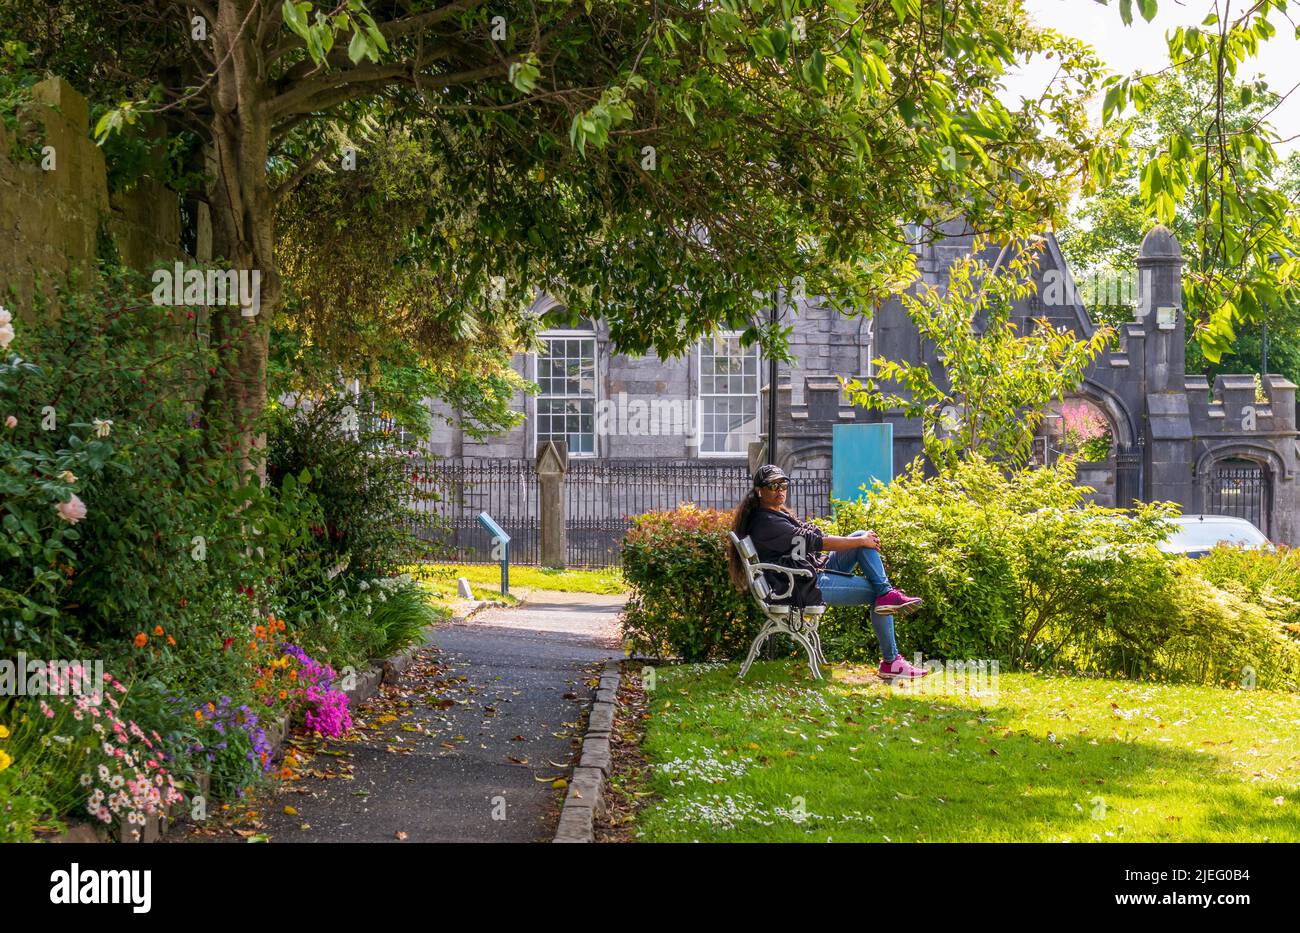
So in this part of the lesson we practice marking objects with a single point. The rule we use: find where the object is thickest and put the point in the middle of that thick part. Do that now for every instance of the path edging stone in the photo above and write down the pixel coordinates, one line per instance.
(585, 800)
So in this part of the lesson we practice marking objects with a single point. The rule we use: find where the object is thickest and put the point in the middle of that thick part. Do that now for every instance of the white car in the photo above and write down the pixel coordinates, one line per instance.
(1196, 535)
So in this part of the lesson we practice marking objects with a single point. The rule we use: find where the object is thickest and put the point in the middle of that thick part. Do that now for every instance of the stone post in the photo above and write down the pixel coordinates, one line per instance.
(552, 465)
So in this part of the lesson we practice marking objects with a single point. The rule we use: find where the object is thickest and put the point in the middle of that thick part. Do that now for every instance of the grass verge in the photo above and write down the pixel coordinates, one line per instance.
(780, 757)
(486, 579)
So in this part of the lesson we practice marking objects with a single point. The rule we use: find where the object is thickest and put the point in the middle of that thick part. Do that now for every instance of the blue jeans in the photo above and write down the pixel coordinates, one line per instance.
(860, 591)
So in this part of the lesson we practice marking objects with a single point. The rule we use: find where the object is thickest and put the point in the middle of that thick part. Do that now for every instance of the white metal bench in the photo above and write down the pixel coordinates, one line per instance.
(799, 623)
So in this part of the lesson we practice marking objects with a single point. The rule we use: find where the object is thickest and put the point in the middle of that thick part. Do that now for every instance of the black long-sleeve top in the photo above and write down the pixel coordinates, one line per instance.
(773, 533)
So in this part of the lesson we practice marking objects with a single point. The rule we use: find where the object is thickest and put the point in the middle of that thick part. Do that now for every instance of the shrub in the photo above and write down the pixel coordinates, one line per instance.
(106, 402)
(1195, 631)
(1010, 566)
(400, 612)
(1270, 578)
(683, 602)
(362, 485)
(1218, 637)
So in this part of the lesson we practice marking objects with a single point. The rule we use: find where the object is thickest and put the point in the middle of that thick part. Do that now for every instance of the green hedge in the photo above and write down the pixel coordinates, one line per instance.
(683, 602)
(1017, 568)
(1014, 567)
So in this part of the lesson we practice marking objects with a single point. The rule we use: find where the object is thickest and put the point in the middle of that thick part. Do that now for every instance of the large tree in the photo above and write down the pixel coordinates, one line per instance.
(1242, 250)
(663, 163)
(1103, 233)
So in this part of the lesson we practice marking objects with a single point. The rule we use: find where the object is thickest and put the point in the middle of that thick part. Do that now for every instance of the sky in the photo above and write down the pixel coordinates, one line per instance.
(1142, 46)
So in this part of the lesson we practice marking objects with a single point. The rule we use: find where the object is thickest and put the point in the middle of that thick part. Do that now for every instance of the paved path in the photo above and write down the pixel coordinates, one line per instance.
(457, 751)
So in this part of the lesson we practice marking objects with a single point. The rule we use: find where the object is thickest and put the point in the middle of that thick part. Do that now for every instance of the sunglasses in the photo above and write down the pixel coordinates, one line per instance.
(780, 485)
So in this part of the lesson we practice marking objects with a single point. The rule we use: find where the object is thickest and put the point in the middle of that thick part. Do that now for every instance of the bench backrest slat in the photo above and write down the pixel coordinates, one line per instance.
(757, 581)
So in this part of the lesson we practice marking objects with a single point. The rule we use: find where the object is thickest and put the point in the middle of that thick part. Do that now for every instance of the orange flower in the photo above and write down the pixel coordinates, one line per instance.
(260, 631)
(293, 674)
(284, 694)
(157, 629)
(212, 707)
(140, 639)
(171, 641)
(198, 714)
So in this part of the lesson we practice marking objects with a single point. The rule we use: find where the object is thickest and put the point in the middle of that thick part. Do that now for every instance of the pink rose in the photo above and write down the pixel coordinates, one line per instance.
(72, 511)
(11, 422)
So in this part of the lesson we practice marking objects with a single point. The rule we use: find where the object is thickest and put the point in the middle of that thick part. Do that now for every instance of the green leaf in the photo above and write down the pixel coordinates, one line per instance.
(295, 15)
(359, 47)
(1126, 11)
(1148, 9)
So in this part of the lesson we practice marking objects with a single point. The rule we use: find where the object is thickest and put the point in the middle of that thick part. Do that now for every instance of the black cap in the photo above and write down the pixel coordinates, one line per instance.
(769, 474)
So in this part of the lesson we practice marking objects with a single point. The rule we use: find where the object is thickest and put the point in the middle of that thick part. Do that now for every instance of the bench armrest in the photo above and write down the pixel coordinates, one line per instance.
(790, 574)
(794, 571)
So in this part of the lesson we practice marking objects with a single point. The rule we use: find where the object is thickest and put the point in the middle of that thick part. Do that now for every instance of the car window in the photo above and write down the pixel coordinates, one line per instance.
(1196, 535)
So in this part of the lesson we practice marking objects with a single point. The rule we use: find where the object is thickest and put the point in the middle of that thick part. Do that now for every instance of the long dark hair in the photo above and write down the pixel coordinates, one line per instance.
(740, 525)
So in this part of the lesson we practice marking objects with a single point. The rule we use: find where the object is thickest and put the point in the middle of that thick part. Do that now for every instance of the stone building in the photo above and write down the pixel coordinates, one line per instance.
(1172, 436)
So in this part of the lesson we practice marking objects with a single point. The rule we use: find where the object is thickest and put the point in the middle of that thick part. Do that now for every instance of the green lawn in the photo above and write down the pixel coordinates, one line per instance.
(485, 579)
(780, 758)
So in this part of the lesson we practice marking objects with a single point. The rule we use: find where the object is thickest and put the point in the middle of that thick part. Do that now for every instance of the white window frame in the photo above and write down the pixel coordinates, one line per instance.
(595, 393)
(700, 394)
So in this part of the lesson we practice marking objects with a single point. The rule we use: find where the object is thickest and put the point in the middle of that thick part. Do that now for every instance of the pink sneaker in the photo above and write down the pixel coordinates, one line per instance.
(900, 668)
(896, 602)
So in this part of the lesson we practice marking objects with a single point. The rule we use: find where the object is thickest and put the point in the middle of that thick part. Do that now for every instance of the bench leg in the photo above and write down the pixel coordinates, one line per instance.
(815, 636)
(812, 653)
(769, 627)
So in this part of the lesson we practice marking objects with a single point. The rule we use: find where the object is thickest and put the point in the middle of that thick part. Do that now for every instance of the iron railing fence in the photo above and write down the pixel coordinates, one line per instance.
(601, 498)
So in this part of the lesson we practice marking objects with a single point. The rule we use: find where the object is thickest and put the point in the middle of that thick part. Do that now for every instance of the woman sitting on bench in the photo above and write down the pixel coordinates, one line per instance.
(775, 532)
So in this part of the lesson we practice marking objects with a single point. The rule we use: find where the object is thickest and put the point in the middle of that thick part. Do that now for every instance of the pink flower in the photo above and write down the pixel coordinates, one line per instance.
(11, 422)
(72, 511)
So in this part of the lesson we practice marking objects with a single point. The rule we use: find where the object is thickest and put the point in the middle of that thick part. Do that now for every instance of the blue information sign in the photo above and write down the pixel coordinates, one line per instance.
(860, 455)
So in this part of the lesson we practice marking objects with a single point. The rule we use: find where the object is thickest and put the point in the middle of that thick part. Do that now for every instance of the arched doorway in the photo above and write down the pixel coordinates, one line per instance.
(1241, 488)
(1081, 427)
(1078, 427)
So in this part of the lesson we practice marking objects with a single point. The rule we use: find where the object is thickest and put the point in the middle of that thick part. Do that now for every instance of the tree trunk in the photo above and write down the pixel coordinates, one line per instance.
(243, 236)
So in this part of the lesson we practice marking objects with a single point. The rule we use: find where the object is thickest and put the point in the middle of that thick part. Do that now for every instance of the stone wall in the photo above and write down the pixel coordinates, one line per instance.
(54, 211)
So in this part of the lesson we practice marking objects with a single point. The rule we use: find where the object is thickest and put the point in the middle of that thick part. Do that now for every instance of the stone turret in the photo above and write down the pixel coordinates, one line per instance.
(1168, 454)
(1160, 310)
